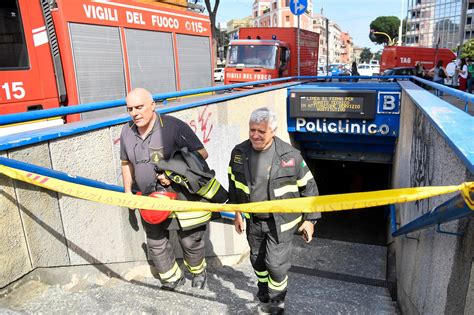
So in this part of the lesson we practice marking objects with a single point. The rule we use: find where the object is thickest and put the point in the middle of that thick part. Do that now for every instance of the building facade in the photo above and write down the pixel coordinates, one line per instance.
(334, 44)
(234, 25)
(276, 13)
(347, 48)
(447, 22)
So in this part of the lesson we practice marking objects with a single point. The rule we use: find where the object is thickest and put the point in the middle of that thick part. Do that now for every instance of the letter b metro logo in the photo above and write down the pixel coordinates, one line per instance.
(389, 103)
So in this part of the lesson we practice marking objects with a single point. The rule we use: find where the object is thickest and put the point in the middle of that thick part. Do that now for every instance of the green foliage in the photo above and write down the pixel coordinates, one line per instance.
(377, 55)
(384, 24)
(365, 55)
(467, 50)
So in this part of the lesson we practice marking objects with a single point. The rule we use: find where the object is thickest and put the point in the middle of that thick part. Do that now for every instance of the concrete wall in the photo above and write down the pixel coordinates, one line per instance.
(433, 270)
(43, 229)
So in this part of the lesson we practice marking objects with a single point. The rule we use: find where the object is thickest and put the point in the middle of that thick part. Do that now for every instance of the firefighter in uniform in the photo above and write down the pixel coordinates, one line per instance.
(146, 140)
(267, 168)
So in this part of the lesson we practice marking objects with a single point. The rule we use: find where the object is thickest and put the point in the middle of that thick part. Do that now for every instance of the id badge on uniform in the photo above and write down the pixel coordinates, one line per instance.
(156, 154)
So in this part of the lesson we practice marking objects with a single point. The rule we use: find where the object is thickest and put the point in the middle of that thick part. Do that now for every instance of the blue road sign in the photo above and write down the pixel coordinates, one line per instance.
(297, 7)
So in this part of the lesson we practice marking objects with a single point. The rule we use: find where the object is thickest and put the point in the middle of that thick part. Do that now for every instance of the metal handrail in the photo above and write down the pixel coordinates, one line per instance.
(453, 209)
(82, 108)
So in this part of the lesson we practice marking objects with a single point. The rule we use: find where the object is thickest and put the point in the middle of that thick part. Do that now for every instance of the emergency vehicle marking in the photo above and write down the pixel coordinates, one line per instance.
(249, 76)
(97, 12)
(149, 10)
(39, 36)
(405, 60)
(16, 90)
(340, 126)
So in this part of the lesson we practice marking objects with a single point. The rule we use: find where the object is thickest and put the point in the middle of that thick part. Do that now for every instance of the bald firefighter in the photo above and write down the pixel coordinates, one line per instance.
(148, 139)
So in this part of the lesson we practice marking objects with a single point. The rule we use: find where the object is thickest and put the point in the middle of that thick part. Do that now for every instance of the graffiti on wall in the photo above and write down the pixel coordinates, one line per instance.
(422, 157)
(202, 126)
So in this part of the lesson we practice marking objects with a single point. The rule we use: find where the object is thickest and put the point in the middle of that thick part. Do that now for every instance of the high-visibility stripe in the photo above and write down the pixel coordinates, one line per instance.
(213, 189)
(191, 214)
(246, 215)
(262, 276)
(197, 269)
(171, 275)
(285, 189)
(302, 182)
(290, 225)
(277, 286)
(238, 184)
(194, 221)
(205, 189)
(261, 273)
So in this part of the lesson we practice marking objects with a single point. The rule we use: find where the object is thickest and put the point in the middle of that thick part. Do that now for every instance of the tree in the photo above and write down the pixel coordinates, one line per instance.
(212, 17)
(377, 55)
(467, 50)
(385, 24)
(365, 55)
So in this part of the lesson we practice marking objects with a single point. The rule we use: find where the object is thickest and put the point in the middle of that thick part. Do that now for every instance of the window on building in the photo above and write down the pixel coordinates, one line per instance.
(469, 20)
(287, 18)
(13, 50)
(274, 5)
(418, 1)
(471, 6)
(255, 14)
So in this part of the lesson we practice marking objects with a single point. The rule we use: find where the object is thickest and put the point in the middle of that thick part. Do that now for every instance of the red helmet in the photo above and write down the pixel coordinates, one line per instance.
(157, 216)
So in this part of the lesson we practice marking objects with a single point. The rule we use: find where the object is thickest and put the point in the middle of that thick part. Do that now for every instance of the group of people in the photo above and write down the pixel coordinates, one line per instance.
(162, 153)
(458, 74)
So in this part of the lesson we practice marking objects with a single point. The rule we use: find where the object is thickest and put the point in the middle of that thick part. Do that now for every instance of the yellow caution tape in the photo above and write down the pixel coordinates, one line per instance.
(307, 204)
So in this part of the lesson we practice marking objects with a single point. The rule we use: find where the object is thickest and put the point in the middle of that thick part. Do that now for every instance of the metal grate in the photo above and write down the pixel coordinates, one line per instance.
(151, 60)
(194, 57)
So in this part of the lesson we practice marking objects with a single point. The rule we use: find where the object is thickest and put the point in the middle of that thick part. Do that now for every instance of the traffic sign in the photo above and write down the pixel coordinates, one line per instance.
(297, 7)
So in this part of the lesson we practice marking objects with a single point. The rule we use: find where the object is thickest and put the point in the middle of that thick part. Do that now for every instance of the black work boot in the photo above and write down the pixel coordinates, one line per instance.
(276, 308)
(262, 293)
(171, 286)
(199, 280)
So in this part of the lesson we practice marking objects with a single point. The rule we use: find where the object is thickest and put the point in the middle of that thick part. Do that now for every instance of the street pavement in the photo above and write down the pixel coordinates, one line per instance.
(327, 277)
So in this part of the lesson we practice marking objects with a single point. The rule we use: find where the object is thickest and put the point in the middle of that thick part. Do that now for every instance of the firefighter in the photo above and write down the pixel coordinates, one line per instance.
(266, 168)
(146, 140)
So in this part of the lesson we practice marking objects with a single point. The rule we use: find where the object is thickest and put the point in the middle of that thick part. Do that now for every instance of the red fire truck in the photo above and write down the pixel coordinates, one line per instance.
(264, 53)
(405, 56)
(66, 52)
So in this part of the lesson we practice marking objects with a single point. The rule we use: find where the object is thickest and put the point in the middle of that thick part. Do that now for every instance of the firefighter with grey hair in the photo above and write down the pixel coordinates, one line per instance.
(264, 167)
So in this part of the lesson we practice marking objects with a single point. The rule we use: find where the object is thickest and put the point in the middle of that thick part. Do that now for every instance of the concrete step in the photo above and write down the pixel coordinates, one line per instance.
(230, 289)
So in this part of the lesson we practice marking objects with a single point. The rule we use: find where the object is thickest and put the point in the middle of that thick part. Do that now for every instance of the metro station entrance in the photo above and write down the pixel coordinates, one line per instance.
(367, 226)
(347, 134)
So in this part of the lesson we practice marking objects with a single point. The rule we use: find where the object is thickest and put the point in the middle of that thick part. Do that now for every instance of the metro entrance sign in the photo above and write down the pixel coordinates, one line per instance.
(298, 7)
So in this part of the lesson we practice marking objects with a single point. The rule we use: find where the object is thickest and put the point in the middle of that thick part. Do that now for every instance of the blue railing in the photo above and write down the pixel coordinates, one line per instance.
(466, 97)
(453, 209)
(83, 108)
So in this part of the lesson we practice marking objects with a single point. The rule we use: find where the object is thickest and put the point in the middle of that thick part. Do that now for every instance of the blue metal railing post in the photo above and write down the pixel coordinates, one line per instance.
(453, 209)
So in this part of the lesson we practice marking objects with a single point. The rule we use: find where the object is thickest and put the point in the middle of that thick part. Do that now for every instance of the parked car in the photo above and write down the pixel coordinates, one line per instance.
(322, 71)
(398, 71)
(338, 69)
(365, 69)
(375, 69)
(219, 74)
